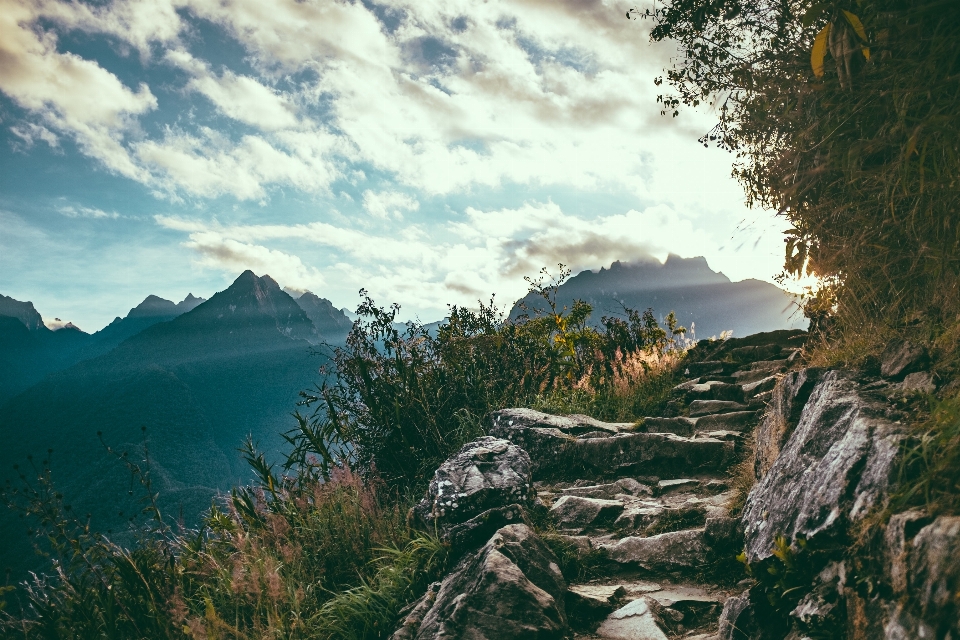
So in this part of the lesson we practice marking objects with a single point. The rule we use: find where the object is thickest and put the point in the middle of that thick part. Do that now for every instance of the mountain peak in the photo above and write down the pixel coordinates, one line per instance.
(153, 306)
(22, 311)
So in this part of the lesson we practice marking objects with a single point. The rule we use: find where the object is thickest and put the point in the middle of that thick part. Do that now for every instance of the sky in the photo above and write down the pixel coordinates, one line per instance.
(431, 152)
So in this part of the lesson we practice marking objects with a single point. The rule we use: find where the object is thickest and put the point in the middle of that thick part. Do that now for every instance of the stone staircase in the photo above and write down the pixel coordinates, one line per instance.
(652, 497)
(644, 504)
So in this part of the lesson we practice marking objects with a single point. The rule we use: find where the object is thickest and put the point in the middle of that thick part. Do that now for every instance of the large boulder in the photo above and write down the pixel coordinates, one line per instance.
(557, 453)
(783, 413)
(486, 474)
(934, 575)
(835, 466)
(510, 588)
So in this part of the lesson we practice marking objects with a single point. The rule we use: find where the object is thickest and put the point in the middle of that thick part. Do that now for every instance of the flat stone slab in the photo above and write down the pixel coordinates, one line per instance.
(672, 486)
(681, 426)
(733, 421)
(577, 512)
(635, 621)
(706, 407)
(675, 551)
(556, 455)
(610, 490)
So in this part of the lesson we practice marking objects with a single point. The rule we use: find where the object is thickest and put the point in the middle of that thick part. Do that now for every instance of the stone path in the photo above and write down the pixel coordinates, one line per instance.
(654, 496)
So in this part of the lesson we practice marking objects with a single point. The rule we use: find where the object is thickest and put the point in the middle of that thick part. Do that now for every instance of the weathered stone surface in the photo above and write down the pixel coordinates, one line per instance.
(574, 425)
(556, 455)
(510, 588)
(676, 551)
(588, 604)
(610, 490)
(635, 621)
(697, 369)
(760, 370)
(680, 426)
(715, 391)
(677, 484)
(901, 528)
(754, 354)
(576, 512)
(918, 382)
(934, 574)
(834, 467)
(639, 517)
(412, 619)
(485, 474)
(723, 532)
(707, 407)
(819, 609)
(469, 535)
(902, 357)
(737, 620)
(734, 421)
(754, 389)
(786, 403)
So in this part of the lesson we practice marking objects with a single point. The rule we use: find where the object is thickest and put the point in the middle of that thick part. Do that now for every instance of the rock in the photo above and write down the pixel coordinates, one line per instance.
(556, 455)
(819, 609)
(918, 382)
(715, 391)
(735, 421)
(485, 474)
(469, 535)
(737, 619)
(588, 604)
(786, 403)
(835, 466)
(509, 588)
(697, 369)
(670, 486)
(573, 424)
(760, 370)
(676, 551)
(706, 407)
(638, 517)
(411, 620)
(635, 621)
(756, 388)
(610, 490)
(680, 426)
(754, 354)
(902, 357)
(901, 528)
(934, 574)
(723, 532)
(576, 512)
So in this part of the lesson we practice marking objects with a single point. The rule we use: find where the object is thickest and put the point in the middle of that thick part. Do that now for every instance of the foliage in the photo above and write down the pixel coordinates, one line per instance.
(930, 468)
(403, 400)
(266, 563)
(843, 118)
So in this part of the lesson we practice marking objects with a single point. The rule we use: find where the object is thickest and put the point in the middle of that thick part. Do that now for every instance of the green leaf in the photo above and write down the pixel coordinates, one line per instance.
(819, 51)
(858, 28)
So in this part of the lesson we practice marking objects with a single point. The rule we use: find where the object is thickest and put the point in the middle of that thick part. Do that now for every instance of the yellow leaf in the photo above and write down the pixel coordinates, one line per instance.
(858, 27)
(819, 51)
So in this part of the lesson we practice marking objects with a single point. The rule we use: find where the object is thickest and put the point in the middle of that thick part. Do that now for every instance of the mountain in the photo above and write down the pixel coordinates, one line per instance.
(29, 350)
(332, 323)
(198, 384)
(699, 296)
(152, 310)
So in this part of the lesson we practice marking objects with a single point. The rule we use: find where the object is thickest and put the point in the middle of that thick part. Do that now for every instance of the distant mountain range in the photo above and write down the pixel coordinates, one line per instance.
(198, 375)
(700, 297)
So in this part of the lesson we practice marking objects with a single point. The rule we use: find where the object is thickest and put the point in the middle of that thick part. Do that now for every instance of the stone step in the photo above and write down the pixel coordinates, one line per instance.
(681, 426)
(734, 421)
(557, 454)
(700, 408)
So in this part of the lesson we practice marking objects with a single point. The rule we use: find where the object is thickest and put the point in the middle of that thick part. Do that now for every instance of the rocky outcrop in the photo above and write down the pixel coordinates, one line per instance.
(510, 588)
(558, 454)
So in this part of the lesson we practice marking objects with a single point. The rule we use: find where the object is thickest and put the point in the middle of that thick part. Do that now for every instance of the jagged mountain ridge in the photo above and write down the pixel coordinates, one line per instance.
(686, 286)
(199, 383)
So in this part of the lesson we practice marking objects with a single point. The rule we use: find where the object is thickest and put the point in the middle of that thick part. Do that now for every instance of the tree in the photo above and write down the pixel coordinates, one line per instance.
(844, 118)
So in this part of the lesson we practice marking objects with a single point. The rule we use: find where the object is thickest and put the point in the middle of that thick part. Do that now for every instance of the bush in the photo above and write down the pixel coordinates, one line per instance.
(403, 400)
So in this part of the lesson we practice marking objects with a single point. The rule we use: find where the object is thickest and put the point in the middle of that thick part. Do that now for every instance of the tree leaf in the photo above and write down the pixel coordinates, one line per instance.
(819, 51)
(858, 28)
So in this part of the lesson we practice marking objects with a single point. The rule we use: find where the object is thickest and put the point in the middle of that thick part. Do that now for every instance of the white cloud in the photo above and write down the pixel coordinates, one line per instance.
(424, 270)
(87, 212)
(386, 204)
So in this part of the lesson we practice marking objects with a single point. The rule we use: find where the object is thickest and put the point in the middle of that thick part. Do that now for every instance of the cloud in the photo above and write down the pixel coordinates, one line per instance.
(488, 251)
(385, 204)
(87, 212)
(30, 133)
(442, 97)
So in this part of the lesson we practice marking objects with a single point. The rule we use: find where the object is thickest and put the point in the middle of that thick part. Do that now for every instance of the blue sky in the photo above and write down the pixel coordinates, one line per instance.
(430, 152)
